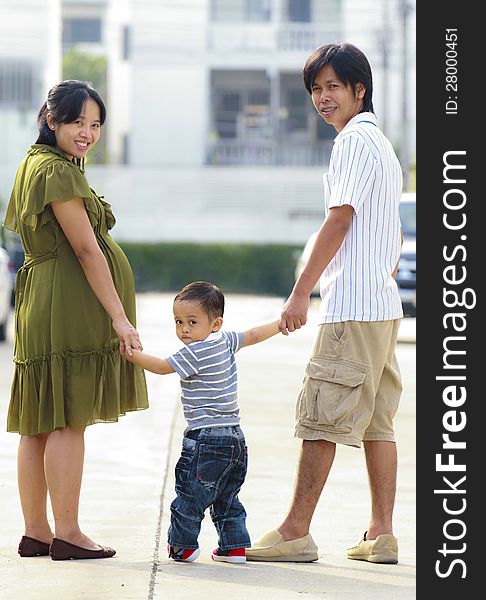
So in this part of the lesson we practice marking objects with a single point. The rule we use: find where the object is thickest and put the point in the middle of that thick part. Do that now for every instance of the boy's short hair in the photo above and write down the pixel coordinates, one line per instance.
(350, 65)
(207, 295)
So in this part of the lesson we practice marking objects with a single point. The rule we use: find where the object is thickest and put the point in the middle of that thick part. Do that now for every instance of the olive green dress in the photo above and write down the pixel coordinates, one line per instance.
(68, 368)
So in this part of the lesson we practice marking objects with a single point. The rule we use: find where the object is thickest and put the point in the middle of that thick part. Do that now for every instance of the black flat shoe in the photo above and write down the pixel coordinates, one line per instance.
(31, 547)
(62, 550)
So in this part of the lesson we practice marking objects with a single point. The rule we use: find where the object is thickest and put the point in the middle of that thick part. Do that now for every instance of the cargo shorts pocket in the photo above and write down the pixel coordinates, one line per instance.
(330, 394)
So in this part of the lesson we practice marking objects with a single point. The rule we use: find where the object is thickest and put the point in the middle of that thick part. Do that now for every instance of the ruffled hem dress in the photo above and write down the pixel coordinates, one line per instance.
(68, 368)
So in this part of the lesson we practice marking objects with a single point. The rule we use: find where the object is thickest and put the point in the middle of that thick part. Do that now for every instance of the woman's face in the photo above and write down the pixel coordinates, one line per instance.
(76, 138)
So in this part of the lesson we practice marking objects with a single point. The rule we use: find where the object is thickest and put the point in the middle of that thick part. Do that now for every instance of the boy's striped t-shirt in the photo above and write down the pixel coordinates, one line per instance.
(209, 380)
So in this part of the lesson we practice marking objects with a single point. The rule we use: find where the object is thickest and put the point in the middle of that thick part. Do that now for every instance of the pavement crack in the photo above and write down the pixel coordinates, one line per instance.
(156, 560)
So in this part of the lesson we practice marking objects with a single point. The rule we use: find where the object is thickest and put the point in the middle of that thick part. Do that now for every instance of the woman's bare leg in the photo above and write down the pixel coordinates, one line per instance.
(33, 487)
(64, 459)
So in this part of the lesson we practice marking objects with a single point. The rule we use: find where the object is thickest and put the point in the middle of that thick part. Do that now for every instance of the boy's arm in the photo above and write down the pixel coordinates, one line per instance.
(150, 363)
(259, 333)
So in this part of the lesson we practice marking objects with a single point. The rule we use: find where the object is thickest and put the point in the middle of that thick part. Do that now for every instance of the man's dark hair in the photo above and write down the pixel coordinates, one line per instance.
(65, 102)
(207, 295)
(349, 64)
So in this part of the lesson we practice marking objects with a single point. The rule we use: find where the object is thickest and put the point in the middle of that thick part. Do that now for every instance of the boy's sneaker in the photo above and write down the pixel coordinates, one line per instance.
(183, 554)
(237, 555)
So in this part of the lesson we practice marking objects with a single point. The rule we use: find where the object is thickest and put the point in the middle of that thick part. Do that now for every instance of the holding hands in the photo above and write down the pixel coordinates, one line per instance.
(294, 313)
(127, 334)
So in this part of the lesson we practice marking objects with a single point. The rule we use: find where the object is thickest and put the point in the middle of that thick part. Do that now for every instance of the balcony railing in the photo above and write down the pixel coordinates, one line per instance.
(298, 38)
(287, 37)
(268, 153)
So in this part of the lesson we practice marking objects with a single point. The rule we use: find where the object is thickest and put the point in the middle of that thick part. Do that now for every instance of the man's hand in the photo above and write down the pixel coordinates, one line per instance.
(294, 313)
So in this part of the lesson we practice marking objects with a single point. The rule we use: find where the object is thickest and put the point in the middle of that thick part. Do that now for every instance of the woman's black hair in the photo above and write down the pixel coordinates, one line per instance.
(65, 102)
(350, 65)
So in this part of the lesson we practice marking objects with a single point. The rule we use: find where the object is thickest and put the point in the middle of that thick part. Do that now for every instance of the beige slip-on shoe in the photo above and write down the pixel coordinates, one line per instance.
(384, 549)
(273, 548)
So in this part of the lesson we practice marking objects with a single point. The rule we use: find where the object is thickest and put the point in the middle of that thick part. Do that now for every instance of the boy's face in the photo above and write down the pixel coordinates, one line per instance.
(192, 323)
(335, 102)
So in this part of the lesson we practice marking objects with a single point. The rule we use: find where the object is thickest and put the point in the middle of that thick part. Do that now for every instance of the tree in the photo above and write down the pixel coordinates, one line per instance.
(85, 66)
(77, 64)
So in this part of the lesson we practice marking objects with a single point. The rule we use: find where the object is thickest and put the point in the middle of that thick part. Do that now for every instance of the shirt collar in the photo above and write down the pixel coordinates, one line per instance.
(213, 337)
(359, 118)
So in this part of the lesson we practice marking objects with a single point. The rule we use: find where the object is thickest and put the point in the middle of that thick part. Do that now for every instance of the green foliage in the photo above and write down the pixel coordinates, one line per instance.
(85, 66)
(244, 268)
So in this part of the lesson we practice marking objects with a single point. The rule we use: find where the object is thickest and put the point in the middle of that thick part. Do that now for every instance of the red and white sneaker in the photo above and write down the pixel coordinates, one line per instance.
(237, 555)
(183, 554)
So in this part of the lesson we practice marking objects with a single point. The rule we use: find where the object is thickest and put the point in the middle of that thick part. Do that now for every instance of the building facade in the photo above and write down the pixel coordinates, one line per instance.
(207, 113)
(219, 82)
(30, 59)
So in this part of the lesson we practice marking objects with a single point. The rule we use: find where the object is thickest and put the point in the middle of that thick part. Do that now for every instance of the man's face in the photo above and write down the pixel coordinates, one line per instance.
(335, 102)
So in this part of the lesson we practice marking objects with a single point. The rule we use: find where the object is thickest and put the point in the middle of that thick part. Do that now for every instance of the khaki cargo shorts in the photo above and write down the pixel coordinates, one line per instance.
(352, 384)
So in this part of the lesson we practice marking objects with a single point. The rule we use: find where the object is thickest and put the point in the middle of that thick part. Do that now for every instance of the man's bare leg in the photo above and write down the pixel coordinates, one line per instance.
(315, 462)
(381, 462)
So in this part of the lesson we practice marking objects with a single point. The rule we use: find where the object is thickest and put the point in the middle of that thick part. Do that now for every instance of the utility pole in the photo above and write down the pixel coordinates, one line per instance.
(384, 38)
(404, 145)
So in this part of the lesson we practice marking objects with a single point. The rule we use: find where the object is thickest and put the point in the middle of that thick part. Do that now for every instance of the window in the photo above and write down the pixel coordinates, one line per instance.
(299, 11)
(226, 109)
(81, 30)
(258, 10)
(242, 114)
(16, 83)
(297, 110)
(241, 10)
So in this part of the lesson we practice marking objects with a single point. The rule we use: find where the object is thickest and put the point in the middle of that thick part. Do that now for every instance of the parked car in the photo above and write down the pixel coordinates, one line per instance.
(16, 254)
(406, 276)
(406, 267)
(302, 259)
(6, 287)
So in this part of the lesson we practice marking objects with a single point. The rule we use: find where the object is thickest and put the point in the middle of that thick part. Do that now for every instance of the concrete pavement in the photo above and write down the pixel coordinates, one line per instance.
(128, 486)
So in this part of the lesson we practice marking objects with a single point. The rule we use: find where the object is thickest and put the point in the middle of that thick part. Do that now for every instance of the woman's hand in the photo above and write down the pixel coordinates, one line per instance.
(74, 221)
(127, 334)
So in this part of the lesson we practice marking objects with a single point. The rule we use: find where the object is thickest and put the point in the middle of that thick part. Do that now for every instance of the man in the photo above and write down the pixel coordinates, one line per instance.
(352, 385)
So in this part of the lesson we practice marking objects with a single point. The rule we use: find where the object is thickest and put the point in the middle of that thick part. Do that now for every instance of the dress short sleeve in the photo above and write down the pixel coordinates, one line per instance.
(57, 181)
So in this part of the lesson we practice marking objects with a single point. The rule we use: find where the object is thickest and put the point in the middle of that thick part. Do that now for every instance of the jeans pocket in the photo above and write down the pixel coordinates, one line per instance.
(332, 389)
(183, 465)
(212, 462)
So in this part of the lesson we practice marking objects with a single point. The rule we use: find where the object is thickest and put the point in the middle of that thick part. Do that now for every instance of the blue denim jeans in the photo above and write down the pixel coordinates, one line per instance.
(209, 474)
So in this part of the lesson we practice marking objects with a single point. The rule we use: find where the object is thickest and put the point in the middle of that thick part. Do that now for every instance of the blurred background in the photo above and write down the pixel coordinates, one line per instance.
(212, 153)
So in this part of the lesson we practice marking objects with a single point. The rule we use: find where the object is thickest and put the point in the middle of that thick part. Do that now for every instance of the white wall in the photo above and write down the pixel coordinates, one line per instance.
(230, 204)
(119, 78)
(28, 30)
(169, 83)
(32, 30)
(169, 115)
(366, 22)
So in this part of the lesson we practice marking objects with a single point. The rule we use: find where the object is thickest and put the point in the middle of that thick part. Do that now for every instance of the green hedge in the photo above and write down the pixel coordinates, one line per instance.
(246, 268)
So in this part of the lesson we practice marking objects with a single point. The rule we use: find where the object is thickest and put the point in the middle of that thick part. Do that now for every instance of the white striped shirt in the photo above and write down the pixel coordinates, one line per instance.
(209, 380)
(364, 172)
